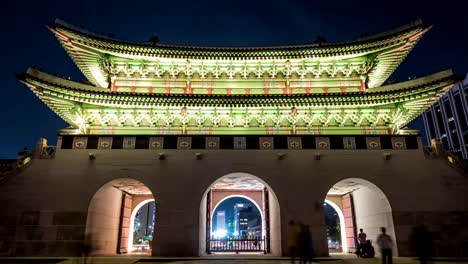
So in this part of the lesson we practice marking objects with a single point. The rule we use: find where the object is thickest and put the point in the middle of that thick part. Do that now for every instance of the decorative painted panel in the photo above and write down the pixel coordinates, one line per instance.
(349, 142)
(266, 143)
(212, 143)
(105, 143)
(129, 142)
(373, 142)
(398, 143)
(156, 142)
(184, 143)
(80, 142)
(294, 143)
(322, 142)
(240, 143)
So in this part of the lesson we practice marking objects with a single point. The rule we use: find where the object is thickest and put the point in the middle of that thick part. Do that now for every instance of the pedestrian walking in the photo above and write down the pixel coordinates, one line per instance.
(421, 243)
(386, 244)
(293, 239)
(86, 248)
(305, 244)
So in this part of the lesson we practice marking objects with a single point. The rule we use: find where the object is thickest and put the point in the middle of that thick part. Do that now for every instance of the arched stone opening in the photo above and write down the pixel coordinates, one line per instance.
(259, 193)
(111, 216)
(342, 245)
(363, 206)
(146, 211)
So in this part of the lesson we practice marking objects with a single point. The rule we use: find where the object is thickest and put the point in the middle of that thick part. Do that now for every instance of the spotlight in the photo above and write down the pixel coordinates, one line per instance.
(92, 156)
(162, 156)
(198, 156)
(281, 156)
(317, 156)
(387, 156)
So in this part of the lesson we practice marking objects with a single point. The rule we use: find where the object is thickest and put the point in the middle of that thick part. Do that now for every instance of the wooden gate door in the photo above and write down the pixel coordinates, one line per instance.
(124, 230)
(350, 224)
(266, 212)
(208, 222)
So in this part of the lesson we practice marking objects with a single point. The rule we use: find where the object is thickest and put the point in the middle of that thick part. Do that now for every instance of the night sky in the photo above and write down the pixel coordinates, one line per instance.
(27, 42)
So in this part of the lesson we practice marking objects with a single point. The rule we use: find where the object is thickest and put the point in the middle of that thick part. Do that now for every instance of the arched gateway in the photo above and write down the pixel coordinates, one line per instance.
(301, 116)
(116, 223)
(247, 234)
(359, 204)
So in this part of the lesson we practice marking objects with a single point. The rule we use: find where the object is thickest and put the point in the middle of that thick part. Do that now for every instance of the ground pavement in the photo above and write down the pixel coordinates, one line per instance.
(216, 260)
(334, 260)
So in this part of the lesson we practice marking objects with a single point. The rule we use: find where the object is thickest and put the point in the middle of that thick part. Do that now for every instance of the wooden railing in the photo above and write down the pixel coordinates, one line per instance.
(238, 245)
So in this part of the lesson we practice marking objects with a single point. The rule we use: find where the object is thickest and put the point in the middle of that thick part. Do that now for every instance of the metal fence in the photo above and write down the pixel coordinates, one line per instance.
(238, 245)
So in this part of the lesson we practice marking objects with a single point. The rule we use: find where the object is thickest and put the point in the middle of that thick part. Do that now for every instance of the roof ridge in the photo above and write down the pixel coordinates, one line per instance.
(377, 36)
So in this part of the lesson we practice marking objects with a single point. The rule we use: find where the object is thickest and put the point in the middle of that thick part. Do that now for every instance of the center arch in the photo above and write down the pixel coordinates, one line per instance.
(255, 203)
(240, 181)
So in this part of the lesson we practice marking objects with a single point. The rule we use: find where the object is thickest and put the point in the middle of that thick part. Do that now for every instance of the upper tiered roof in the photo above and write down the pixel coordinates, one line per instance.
(372, 58)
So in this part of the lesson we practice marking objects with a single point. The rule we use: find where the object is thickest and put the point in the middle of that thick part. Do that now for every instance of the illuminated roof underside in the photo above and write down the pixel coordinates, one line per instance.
(95, 110)
(314, 68)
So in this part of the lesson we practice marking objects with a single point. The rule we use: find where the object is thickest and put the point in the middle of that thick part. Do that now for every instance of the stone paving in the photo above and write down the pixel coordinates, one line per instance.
(345, 260)
(216, 260)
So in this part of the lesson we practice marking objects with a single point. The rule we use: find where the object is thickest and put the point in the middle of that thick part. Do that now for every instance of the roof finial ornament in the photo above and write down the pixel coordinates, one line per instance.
(153, 40)
(320, 40)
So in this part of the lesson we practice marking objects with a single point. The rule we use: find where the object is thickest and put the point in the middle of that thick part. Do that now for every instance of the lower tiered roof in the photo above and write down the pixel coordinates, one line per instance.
(95, 110)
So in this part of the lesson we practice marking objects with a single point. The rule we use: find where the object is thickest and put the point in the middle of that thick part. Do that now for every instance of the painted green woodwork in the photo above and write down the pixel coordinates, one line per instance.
(327, 88)
(177, 91)
(367, 62)
(95, 110)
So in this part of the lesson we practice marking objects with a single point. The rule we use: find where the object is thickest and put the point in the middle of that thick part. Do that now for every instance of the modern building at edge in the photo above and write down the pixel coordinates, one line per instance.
(447, 120)
(287, 127)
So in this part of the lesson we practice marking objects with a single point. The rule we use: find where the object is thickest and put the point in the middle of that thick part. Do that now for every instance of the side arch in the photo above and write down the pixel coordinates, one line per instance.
(109, 213)
(365, 206)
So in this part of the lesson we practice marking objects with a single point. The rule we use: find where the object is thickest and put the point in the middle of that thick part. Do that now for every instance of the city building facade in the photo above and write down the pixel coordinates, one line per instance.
(287, 128)
(221, 220)
(447, 120)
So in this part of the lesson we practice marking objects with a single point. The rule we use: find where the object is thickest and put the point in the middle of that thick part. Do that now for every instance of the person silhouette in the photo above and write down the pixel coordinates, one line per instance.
(362, 238)
(305, 244)
(385, 243)
(293, 239)
(421, 243)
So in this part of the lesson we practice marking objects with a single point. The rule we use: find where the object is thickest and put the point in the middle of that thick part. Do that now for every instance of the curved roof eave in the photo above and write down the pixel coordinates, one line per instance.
(67, 98)
(58, 23)
(412, 85)
(400, 41)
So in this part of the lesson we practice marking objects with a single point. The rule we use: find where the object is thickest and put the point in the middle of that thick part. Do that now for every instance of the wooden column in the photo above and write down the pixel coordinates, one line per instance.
(350, 224)
(124, 230)
(266, 213)
(208, 222)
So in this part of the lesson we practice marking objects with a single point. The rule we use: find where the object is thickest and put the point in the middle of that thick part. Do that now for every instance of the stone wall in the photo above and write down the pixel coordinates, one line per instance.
(448, 231)
(103, 223)
(45, 206)
(42, 233)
